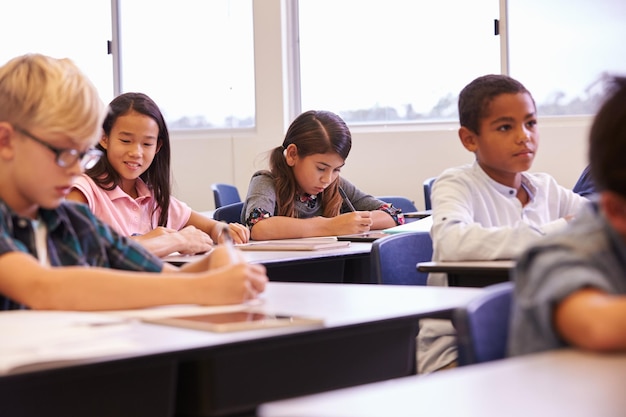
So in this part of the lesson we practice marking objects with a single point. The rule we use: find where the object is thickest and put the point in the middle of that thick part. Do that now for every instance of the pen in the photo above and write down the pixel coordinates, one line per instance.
(346, 199)
(225, 237)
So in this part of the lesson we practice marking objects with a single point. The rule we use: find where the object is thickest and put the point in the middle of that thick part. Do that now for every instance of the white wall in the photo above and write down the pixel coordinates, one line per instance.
(392, 160)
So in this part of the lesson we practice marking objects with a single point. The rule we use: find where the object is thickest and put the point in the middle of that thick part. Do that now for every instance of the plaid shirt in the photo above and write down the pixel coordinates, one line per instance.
(74, 237)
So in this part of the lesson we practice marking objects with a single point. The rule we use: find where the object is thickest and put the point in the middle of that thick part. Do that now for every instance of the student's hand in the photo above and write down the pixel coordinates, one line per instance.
(193, 240)
(224, 255)
(354, 222)
(235, 280)
(233, 284)
(188, 241)
(239, 233)
(569, 218)
(157, 232)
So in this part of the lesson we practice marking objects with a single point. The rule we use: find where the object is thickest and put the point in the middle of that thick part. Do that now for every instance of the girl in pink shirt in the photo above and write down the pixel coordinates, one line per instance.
(130, 187)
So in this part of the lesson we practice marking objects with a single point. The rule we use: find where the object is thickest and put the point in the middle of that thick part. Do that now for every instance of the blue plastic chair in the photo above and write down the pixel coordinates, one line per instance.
(394, 259)
(225, 194)
(403, 203)
(483, 325)
(428, 186)
(585, 185)
(230, 213)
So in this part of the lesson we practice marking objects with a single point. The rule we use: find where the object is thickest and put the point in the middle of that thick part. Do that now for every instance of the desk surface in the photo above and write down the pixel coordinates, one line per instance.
(560, 383)
(337, 305)
(349, 264)
(272, 257)
(221, 373)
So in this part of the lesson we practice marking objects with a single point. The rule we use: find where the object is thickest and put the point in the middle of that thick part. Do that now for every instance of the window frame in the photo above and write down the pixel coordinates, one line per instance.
(290, 98)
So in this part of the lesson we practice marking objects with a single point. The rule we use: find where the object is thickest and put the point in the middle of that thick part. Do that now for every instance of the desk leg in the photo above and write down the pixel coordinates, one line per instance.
(358, 270)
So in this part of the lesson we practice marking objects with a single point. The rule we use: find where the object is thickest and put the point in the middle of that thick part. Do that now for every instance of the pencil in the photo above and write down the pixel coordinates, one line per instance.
(346, 199)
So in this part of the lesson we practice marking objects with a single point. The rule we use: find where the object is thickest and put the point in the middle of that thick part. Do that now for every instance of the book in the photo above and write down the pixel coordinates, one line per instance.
(295, 244)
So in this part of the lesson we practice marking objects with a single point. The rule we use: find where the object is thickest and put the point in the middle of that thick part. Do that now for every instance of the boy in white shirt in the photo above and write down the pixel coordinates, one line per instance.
(491, 209)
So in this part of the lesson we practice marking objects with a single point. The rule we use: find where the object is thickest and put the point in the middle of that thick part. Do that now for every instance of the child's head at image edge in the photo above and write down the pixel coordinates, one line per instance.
(50, 95)
(50, 117)
(607, 141)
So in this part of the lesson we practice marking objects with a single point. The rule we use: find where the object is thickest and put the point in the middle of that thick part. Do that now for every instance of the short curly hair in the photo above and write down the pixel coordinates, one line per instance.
(475, 98)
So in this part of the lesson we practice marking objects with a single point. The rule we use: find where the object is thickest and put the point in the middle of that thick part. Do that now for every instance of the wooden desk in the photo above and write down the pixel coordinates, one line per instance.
(559, 383)
(470, 273)
(369, 335)
(343, 265)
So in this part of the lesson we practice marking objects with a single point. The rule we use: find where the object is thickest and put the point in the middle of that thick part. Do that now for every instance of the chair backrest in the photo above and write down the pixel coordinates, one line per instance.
(230, 213)
(483, 325)
(428, 185)
(585, 185)
(394, 259)
(403, 203)
(225, 194)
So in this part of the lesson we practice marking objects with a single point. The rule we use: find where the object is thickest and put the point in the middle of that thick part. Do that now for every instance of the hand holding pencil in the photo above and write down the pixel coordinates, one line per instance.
(354, 222)
(346, 199)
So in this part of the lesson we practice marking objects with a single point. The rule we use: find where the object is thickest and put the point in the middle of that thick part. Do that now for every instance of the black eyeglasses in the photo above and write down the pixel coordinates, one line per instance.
(66, 157)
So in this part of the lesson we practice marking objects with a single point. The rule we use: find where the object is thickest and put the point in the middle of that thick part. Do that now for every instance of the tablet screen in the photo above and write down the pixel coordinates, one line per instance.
(236, 320)
(233, 317)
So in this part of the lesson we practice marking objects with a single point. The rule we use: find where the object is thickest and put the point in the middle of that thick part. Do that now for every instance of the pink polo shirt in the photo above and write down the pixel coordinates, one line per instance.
(126, 215)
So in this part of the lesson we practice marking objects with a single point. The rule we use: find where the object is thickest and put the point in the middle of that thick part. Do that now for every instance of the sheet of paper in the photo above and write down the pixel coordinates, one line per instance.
(35, 337)
(421, 225)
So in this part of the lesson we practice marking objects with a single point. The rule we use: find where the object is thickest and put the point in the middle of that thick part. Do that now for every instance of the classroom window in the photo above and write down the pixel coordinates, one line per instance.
(373, 62)
(74, 29)
(394, 61)
(195, 58)
(562, 49)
